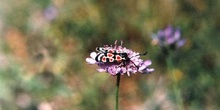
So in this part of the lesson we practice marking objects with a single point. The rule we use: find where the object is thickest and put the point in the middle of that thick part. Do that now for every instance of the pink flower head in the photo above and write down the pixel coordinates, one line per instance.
(129, 62)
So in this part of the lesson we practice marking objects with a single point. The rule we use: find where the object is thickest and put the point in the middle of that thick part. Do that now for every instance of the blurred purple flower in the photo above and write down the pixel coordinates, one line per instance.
(168, 37)
(50, 13)
(133, 65)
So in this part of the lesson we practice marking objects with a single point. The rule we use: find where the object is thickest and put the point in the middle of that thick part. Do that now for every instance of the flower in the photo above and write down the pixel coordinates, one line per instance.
(50, 13)
(168, 37)
(131, 65)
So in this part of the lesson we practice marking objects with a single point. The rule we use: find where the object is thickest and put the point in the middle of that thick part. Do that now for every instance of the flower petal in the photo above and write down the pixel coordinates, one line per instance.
(128, 73)
(145, 64)
(90, 61)
(177, 35)
(93, 55)
(181, 43)
(168, 31)
(101, 70)
(150, 70)
(123, 70)
(170, 40)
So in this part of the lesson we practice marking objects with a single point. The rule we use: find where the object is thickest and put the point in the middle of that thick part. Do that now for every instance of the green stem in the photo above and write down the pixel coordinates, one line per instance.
(176, 90)
(117, 91)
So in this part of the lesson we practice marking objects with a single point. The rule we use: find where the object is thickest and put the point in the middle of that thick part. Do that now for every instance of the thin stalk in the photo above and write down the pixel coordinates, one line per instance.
(117, 91)
(176, 90)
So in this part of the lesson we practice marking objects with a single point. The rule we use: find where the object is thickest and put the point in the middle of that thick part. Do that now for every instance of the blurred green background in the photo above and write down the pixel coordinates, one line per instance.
(44, 43)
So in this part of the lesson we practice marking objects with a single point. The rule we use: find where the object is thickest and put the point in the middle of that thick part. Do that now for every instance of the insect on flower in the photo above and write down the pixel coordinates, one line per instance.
(119, 59)
(114, 56)
(110, 55)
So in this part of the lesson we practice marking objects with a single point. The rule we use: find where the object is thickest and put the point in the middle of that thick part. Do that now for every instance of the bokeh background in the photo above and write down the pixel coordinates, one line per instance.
(44, 44)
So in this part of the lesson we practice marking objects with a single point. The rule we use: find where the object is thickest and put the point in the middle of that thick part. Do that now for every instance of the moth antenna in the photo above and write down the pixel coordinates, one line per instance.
(145, 53)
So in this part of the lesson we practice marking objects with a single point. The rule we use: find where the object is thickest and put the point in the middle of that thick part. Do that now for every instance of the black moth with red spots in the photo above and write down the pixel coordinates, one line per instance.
(111, 56)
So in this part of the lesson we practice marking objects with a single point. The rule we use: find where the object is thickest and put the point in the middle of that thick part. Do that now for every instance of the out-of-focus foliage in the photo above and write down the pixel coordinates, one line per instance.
(44, 43)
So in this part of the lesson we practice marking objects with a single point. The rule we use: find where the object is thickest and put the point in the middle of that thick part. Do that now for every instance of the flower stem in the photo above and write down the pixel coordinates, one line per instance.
(117, 91)
(176, 90)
